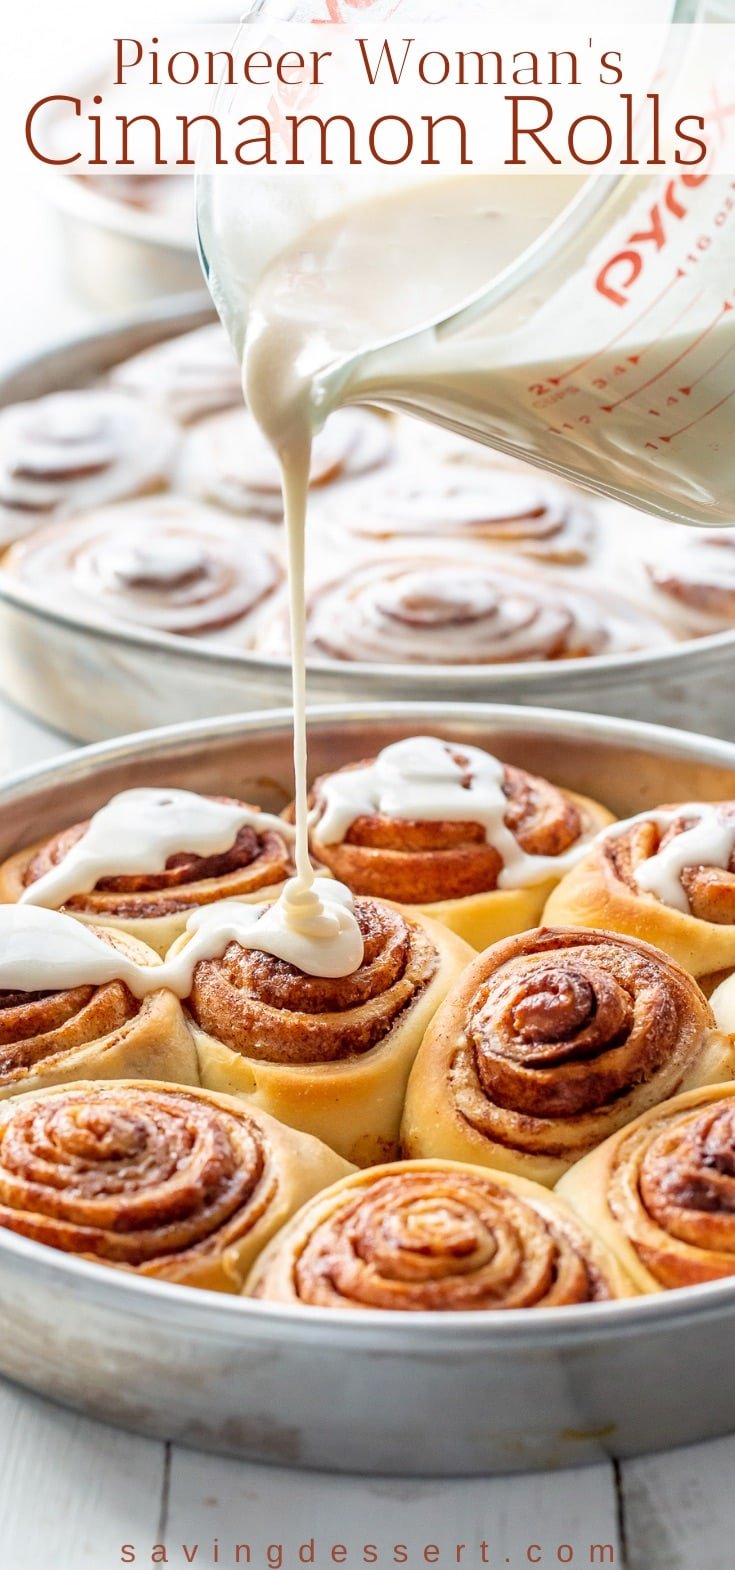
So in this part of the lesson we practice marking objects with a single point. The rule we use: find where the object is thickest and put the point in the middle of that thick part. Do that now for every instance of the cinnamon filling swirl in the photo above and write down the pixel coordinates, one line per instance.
(462, 612)
(164, 564)
(513, 510)
(567, 1024)
(710, 891)
(444, 1240)
(76, 450)
(38, 1026)
(266, 1009)
(129, 1175)
(417, 862)
(673, 1192)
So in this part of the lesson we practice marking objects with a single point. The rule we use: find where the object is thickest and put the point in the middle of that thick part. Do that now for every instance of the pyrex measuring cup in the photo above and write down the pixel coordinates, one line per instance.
(603, 350)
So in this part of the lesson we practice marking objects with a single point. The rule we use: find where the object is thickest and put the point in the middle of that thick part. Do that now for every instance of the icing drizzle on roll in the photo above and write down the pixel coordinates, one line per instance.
(314, 929)
(706, 840)
(137, 831)
(424, 779)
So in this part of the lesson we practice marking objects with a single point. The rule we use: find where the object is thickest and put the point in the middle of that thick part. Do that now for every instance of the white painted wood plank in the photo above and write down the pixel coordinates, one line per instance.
(678, 1508)
(218, 1501)
(72, 1490)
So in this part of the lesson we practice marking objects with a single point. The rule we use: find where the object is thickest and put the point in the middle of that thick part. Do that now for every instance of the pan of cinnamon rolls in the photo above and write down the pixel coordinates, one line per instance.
(488, 1172)
(141, 522)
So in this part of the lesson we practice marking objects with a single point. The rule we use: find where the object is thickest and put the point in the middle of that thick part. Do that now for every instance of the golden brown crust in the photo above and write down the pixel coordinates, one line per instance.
(264, 1008)
(40, 1025)
(662, 1192)
(550, 1042)
(709, 890)
(125, 1176)
(435, 1236)
(602, 891)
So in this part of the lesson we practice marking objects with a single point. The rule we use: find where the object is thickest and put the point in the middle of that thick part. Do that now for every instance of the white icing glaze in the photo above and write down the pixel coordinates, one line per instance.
(312, 928)
(420, 780)
(709, 841)
(137, 831)
(46, 951)
(168, 559)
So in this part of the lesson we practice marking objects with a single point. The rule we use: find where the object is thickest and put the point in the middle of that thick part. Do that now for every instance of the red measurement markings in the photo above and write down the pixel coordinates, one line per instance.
(555, 381)
(685, 391)
(699, 418)
(608, 408)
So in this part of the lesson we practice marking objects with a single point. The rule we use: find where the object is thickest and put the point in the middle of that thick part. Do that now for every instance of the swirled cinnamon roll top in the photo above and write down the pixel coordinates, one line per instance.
(227, 460)
(39, 1028)
(165, 564)
(694, 581)
(438, 1237)
(668, 1183)
(133, 1175)
(257, 859)
(71, 451)
(567, 1023)
(461, 612)
(188, 376)
(266, 1009)
(709, 890)
(419, 862)
(551, 1042)
(518, 511)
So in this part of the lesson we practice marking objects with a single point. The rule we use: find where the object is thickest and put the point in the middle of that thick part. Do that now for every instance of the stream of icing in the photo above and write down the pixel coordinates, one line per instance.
(359, 278)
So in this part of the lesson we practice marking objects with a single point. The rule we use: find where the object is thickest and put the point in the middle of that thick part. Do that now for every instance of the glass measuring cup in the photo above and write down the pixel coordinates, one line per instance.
(602, 347)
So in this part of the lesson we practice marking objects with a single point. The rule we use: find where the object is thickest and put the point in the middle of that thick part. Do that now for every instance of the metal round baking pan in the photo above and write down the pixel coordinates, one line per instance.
(104, 680)
(417, 1393)
(118, 254)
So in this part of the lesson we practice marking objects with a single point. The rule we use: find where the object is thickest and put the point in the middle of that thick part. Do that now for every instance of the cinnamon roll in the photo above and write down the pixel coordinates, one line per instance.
(517, 511)
(452, 832)
(435, 1236)
(461, 612)
(693, 581)
(666, 875)
(72, 451)
(329, 1056)
(549, 1043)
(227, 459)
(164, 564)
(661, 1193)
(171, 1183)
(148, 858)
(89, 1028)
(188, 377)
